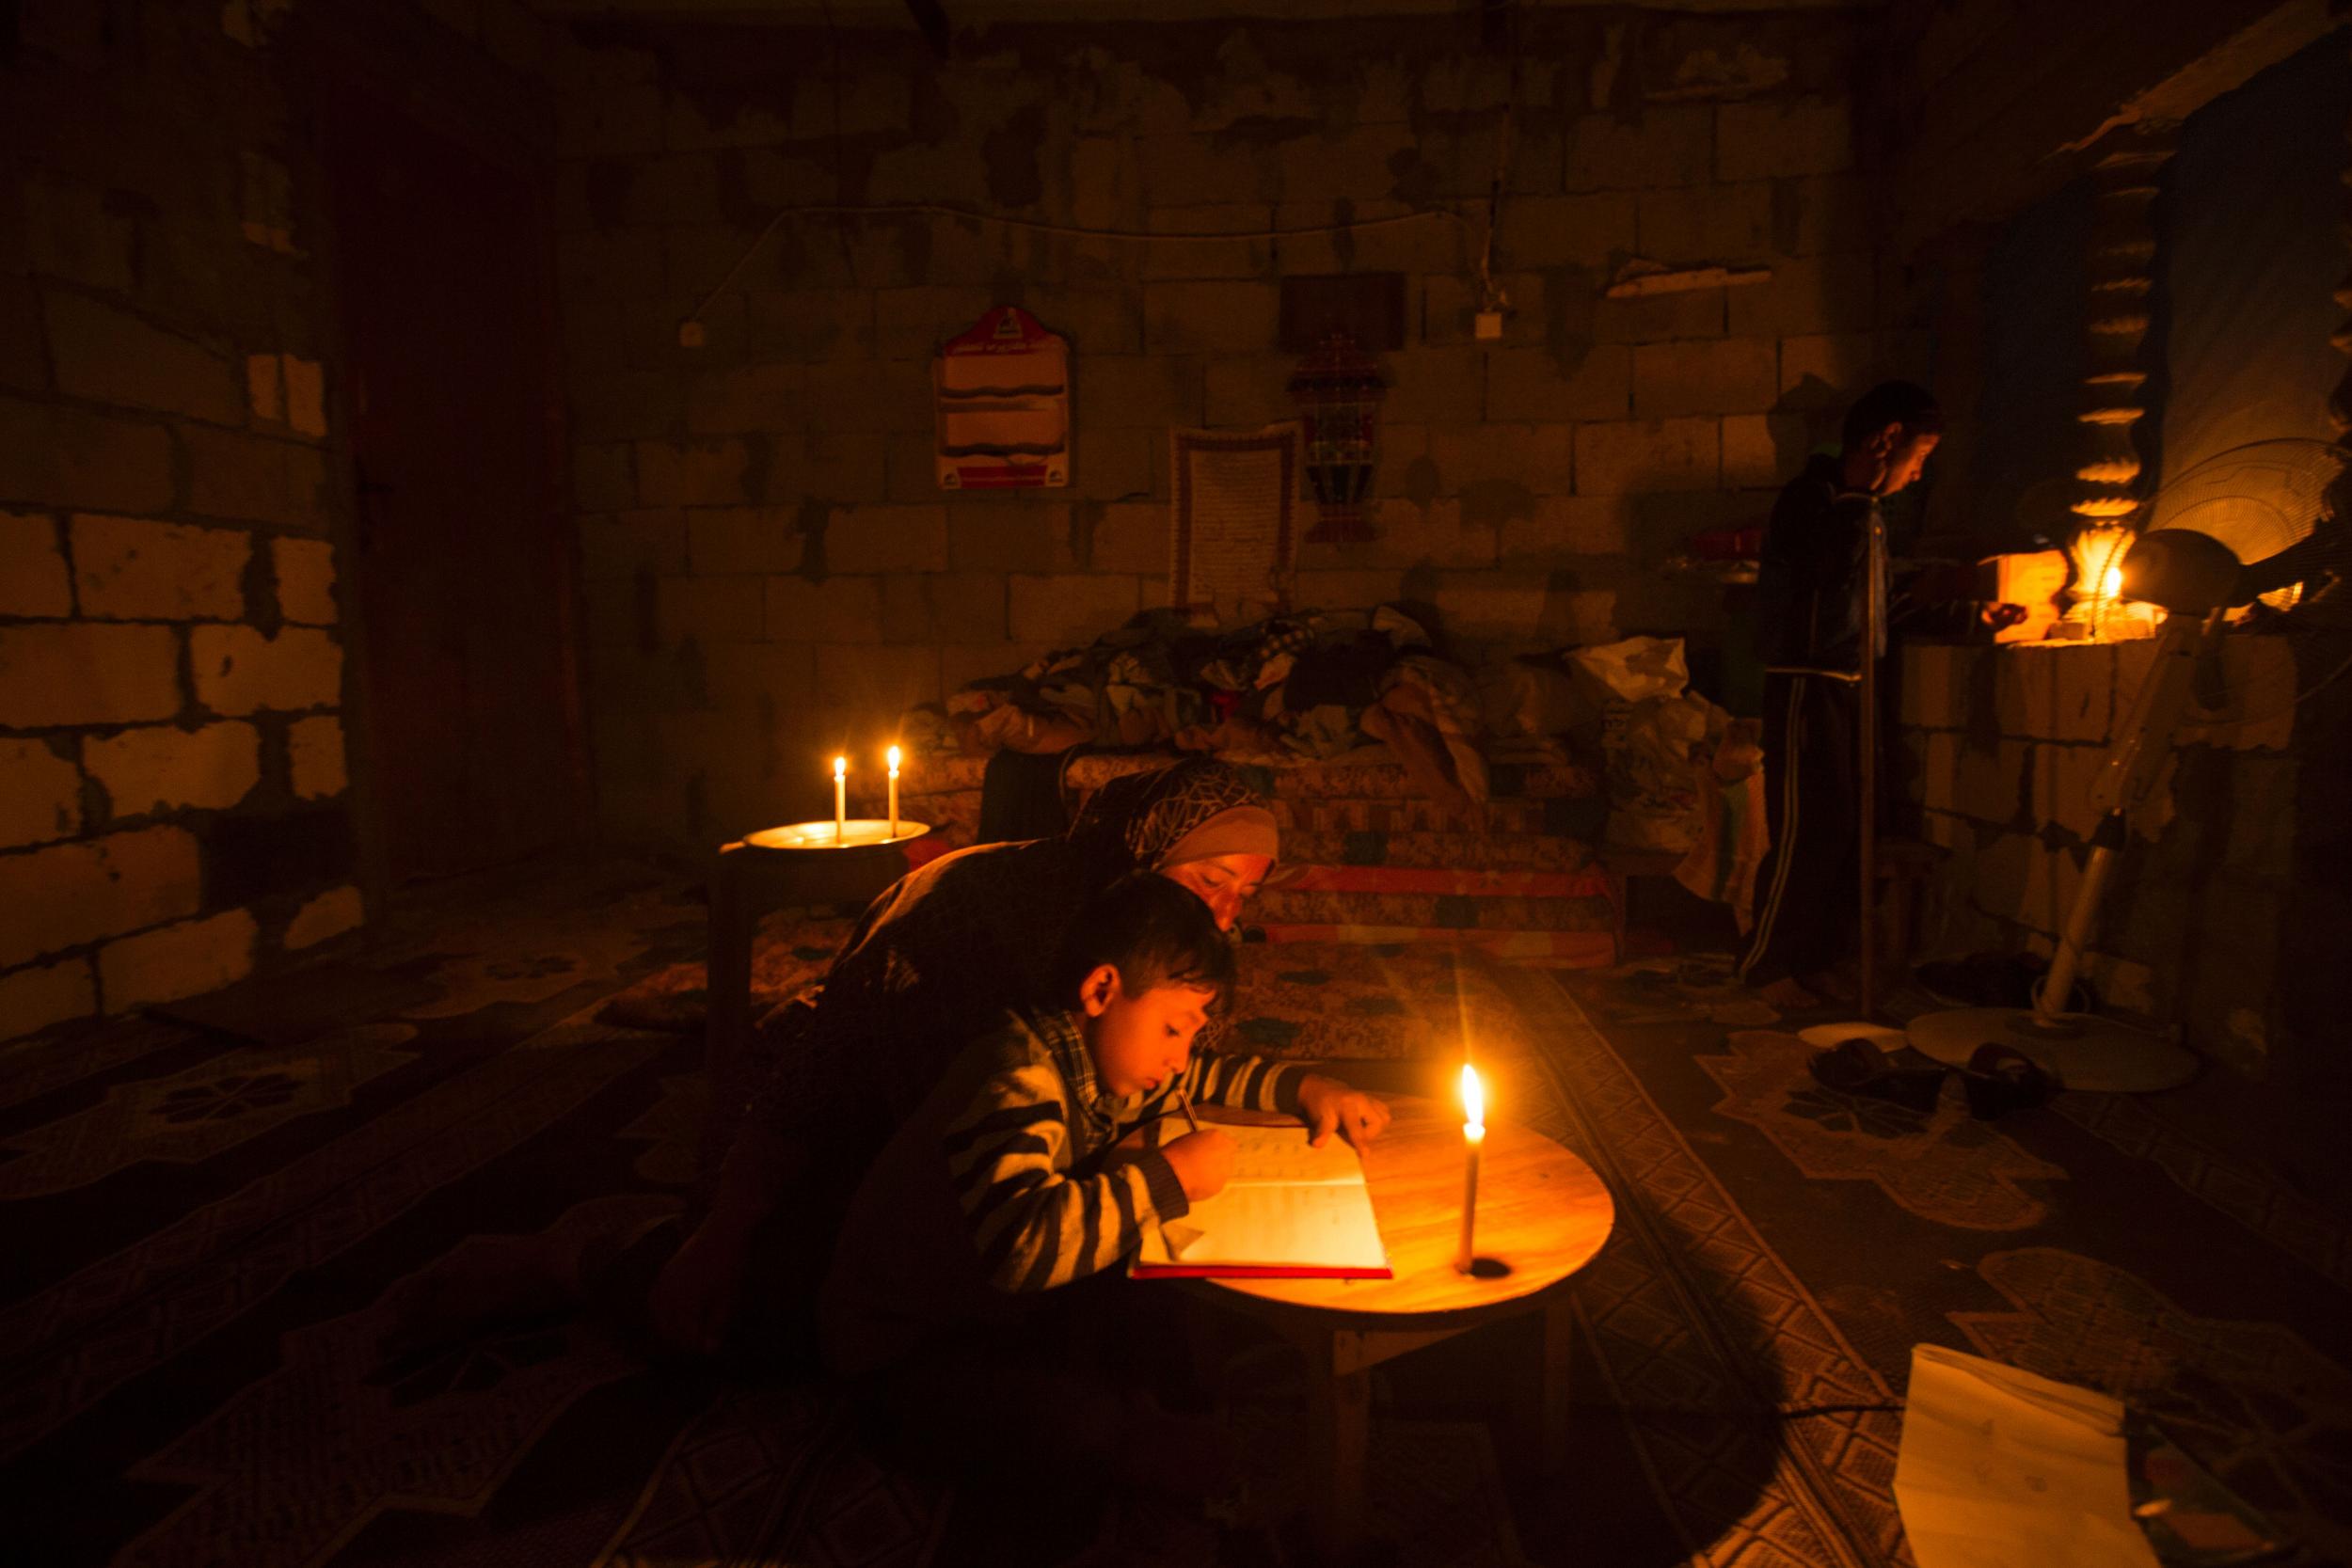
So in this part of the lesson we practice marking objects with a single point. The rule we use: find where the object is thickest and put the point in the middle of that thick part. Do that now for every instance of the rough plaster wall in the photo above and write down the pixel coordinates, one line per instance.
(173, 785)
(772, 571)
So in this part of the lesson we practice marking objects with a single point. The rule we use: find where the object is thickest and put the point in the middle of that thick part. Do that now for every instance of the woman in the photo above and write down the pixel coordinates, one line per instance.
(937, 958)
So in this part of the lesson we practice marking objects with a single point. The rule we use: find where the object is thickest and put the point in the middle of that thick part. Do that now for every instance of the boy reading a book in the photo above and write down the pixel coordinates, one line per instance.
(1019, 1178)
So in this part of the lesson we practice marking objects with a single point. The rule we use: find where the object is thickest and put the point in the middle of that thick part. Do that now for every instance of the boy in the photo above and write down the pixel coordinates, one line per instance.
(1808, 613)
(1019, 1177)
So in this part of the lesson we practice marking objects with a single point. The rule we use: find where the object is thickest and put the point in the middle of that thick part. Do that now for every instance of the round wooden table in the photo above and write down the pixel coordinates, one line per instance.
(798, 863)
(1542, 1214)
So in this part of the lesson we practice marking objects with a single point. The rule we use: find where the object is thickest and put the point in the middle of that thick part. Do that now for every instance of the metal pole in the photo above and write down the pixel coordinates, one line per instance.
(1873, 620)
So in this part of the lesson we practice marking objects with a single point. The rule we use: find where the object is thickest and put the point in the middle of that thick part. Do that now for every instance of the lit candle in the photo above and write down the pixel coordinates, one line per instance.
(893, 792)
(1474, 1135)
(840, 798)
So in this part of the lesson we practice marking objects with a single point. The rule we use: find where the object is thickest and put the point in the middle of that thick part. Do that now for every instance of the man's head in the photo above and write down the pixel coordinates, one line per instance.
(1144, 962)
(1889, 433)
(1224, 860)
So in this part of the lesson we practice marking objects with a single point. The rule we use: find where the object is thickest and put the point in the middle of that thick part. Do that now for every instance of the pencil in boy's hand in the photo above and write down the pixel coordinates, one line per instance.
(1184, 1101)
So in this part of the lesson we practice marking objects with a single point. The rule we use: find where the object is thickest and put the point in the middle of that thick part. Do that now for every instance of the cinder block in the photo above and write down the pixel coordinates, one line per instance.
(1995, 785)
(129, 569)
(1568, 525)
(839, 609)
(887, 539)
(1762, 451)
(836, 465)
(725, 540)
(2259, 686)
(609, 103)
(1155, 391)
(163, 768)
(306, 580)
(109, 356)
(962, 663)
(72, 232)
(1216, 253)
(314, 757)
(238, 670)
(1508, 609)
(1764, 138)
(1118, 465)
(33, 999)
(876, 685)
(79, 672)
(1705, 376)
(2063, 777)
(69, 893)
(1535, 384)
(1808, 294)
(912, 324)
(1127, 536)
(2263, 818)
(187, 959)
(1346, 588)
(306, 396)
(1827, 370)
(1069, 610)
(1407, 533)
(765, 678)
(2084, 696)
(1336, 162)
(683, 188)
(253, 478)
(732, 401)
(692, 474)
(1011, 536)
(1184, 169)
(1667, 146)
(810, 324)
(1706, 223)
(1368, 235)
(1538, 457)
(622, 544)
(265, 387)
(1210, 317)
(68, 457)
(1096, 319)
(2001, 870)
(32, 569)
(2053, 877)
(710, 609)
(966, 606)
(883, 395)
(41, 794)
(1617, 459)
(1651, 319)
(1824, 213)
(740, 124)
(1935, 678)
(1586, 230)
(1244, 390)
(1939, 773)
(604, 478)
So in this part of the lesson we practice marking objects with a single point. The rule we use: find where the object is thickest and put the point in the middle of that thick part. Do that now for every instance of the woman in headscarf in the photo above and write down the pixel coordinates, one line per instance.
(937, 958)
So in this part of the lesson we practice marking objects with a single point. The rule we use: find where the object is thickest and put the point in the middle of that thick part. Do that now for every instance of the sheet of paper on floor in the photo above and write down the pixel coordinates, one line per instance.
(1999, 1468)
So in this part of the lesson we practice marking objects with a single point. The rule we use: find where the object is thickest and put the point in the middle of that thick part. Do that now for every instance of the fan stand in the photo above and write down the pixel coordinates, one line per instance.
(2080, 1050)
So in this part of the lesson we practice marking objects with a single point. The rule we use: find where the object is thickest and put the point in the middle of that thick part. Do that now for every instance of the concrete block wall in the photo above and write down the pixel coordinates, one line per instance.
(772, 571)
(175, 804)
(2000, 751)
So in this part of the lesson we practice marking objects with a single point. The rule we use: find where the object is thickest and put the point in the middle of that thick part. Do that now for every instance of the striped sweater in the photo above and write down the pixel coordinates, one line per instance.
(1004, 1185)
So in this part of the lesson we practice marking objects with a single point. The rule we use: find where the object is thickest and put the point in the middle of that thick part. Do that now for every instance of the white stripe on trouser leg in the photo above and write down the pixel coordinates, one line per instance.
(1792, 733)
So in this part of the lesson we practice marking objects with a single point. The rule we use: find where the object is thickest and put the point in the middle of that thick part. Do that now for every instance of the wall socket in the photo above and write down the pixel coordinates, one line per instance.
(1489, 326)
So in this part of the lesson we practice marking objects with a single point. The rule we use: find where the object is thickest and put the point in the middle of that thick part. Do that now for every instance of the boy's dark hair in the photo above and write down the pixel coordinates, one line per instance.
(1895, 403)
(1153, 932)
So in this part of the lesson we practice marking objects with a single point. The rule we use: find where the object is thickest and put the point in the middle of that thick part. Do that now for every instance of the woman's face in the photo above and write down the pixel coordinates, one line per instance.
(1224, 883)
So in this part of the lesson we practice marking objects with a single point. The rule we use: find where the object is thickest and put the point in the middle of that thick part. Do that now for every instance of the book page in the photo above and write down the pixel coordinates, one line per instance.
(1289, 1205)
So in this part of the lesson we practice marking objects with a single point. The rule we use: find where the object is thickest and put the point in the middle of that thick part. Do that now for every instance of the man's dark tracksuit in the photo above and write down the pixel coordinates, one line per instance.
(1809, 612)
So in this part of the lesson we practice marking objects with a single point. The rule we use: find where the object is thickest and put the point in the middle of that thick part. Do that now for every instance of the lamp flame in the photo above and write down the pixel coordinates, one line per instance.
(1473, 1100)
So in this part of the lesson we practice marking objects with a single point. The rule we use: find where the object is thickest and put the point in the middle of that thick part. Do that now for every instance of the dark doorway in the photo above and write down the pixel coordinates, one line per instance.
(462, 563)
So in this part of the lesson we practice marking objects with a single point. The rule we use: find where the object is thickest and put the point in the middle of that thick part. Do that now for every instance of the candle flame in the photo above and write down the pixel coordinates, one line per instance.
(894, 759)
(840, 766)
(1473, 1098)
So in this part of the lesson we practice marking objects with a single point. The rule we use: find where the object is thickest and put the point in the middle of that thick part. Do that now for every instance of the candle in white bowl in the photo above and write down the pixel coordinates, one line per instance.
(840, 797)
(893, 792)
(1474, 1135)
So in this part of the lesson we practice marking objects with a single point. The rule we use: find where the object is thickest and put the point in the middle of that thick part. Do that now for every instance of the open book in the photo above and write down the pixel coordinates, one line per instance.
(1291, 1211)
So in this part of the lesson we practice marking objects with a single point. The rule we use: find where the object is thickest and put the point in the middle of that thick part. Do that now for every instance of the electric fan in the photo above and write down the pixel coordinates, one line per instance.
(2257, 522)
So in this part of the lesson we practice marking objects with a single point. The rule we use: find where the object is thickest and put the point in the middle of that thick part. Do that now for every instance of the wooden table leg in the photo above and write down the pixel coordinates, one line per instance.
(1338, 1421)
(1540, 1406)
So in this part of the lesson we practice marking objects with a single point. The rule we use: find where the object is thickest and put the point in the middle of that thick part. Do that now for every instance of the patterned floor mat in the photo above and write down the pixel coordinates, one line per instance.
(219, 1248)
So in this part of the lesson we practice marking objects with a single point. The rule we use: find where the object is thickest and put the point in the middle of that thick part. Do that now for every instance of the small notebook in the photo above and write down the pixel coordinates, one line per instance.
(1291, 1211)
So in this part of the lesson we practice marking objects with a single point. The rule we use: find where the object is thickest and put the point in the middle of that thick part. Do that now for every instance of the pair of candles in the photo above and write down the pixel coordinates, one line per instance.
(841, 796)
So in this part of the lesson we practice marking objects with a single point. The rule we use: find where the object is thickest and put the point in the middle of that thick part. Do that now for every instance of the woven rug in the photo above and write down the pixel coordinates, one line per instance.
(214, 1246)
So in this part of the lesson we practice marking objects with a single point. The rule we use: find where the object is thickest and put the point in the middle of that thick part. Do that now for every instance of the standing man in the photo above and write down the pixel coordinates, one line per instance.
(1810, 634)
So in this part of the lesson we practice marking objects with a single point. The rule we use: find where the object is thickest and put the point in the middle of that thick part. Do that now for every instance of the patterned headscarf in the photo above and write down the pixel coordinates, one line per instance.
(1134, 820)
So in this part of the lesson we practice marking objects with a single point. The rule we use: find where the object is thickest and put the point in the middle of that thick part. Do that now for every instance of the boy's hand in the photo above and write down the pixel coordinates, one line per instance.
(1203, 1161)
(1329, 1105)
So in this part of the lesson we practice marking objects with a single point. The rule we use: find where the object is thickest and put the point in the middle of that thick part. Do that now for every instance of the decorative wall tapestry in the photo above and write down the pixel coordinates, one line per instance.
(1232, 540)
(1003, 395)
